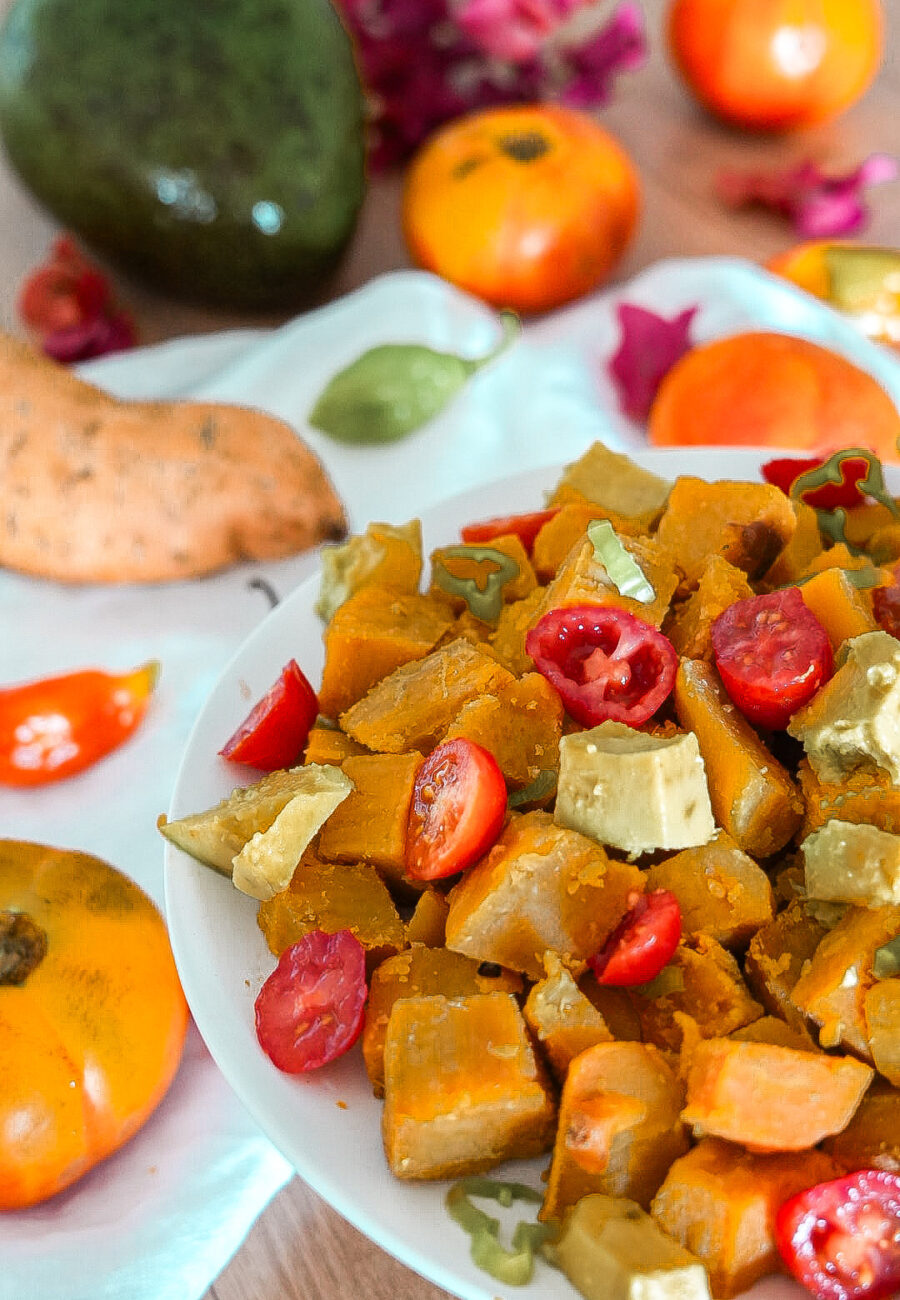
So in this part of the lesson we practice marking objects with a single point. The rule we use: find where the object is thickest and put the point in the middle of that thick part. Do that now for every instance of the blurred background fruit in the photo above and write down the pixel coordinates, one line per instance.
(527, 207)
(776, 64)
(764, 389)
(861, 281)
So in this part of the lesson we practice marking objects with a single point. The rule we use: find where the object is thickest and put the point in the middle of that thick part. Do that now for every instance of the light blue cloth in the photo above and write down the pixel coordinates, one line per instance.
(161, 1218)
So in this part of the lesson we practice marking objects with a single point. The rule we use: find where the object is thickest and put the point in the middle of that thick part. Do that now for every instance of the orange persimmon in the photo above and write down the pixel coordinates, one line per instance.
(527, 207)
(92, 1016)
(776, 64)
(766, 389)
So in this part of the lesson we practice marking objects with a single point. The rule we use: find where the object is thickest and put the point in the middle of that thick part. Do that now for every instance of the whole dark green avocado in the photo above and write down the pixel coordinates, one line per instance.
(215, 148)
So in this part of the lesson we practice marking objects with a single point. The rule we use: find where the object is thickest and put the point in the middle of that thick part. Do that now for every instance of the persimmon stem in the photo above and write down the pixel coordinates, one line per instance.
(23, 946)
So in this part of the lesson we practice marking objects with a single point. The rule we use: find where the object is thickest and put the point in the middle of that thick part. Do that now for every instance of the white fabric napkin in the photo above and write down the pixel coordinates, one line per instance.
(160, 1219)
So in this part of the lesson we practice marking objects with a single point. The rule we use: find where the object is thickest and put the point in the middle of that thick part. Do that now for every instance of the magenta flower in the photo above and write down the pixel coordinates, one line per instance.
(819, 205)
(649, 347)
(424, 62)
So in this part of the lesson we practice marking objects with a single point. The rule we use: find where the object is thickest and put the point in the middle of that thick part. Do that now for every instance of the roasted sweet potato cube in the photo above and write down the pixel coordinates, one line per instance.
(835, 557)
(748, 524)
(615, 1006)
(882, 1007)
(864, 520)
(614, 480)
(833, 986)
(720, 1202)
(507, 641)
(702, 981)
(872, 1138)
(334, 896)
(804, 546)
(370, 635)
(463, 1089)
(753, 797)
(563, 1019)
(429, 918)
(771, 1098)
(860, 796)
(422, 972)
(413, 706)
(540, 889)
(329, 745)
(618, 1126)
(775, 959)
(842, 609)
(720, 585)
(569, 526)
(385, 555)
(769, 1029)
(370, 825)
(583, 580)
(520, 725)
(720, 889)
(469, 566)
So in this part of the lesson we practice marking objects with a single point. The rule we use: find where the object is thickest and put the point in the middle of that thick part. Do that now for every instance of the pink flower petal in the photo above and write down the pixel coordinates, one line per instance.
(513, 29)
(620, 46)
(91, 338)
(649, 347)
(819, 205)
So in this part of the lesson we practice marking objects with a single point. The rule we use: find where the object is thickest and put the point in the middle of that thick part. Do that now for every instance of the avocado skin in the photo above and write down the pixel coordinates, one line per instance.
(213, 148)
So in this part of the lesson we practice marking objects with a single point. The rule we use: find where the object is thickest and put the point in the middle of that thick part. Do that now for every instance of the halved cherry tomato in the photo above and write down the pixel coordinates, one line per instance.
(457, 811)
(782, 471)
(643, 941)
(841, 1239)
(276, 729)
(525, 527)
(605, 663)
(886, 603)
(55, 727)
(772, 654)
(311, 1008)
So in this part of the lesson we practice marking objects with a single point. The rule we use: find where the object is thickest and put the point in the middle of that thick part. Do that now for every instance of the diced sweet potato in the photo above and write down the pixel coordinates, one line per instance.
(583, 580)
(520, 725)
(835, 557)
(720, 1202)
(769, 1029)
(541, 888)
(385, 555)
(704, 982)
(720, 889)
(872, 1138)
(463, 1089)
(370, 635)
(753, 797)
(719, 586)
(748, 524)
(804, 546)
(832, 988)
(841, 608)
(618, 1126)
(421, 972)
(334, 896)
(615, 1006)
(370, 825)
(469, 567)
(413, 706)
(328, 745)
(507, 641)
(861, 796)
(563, 1019)
(568, 526)
(426, 925)
(776, 957)
(612, 479)
(770, 1098)
(882, 1007)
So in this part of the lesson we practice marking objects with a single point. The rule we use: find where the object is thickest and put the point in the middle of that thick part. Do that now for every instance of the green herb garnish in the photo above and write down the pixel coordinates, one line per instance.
(621, 566)
(543, 785)
(516, 1265)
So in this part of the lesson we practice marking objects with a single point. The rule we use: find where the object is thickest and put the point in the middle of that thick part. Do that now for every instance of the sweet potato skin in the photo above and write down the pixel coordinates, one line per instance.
(100, 490)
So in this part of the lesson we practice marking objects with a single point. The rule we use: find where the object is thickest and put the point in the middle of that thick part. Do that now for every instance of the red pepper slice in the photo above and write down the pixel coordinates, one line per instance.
(457, 811)
(782, 472)
(841, 1239)
(772, 654)
(57, 726)
(642, 943)
(311, 1008)
(276, 729)
(526, 527)
(606, 664)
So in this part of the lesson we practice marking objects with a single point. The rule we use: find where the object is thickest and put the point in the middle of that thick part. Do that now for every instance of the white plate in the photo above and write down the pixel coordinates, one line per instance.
(328, 1124)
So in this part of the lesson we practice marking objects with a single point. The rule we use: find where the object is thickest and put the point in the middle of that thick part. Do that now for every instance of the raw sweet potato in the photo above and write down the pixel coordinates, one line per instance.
(101, 490)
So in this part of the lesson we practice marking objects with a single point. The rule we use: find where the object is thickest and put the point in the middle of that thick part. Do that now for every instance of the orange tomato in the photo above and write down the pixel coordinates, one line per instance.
(525, 207)
(760, 389)
(92, 1016)
(776, 64)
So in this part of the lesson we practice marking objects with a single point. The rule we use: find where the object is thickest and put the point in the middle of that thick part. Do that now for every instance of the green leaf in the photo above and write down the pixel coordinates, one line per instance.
(393, 389)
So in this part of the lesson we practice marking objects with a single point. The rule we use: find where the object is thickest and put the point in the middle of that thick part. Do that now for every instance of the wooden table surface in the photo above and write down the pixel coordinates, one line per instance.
(300, 1249)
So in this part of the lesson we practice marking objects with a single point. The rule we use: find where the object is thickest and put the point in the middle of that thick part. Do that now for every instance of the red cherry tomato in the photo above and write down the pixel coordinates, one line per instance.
(886, 603)
(276, 729)
(773, 654)
(311, 1008)
(605, 663)
(643, 941)
(457, 811)
(55, 727)
(782, 471)
(525, 527)
(842, 1239)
